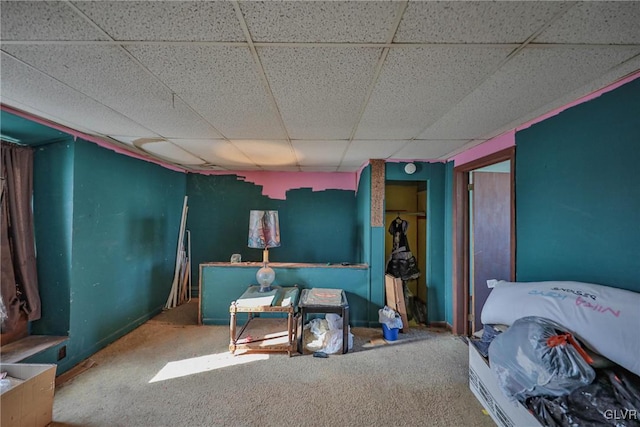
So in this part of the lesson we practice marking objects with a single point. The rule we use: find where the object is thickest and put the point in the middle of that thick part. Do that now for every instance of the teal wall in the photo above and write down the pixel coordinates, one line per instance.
(223, 284)
(53, 169)
(577, 193)
(434, 175)
(363, 216)
(116, 224)
(370, 250)
(315, 226)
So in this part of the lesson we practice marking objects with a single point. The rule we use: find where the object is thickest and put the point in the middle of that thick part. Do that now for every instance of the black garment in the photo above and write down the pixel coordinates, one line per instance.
(402, 262)
(398, 229)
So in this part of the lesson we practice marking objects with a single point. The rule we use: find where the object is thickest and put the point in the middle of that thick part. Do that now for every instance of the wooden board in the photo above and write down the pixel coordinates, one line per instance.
(21, 349)
(75, 371)
(395, 298)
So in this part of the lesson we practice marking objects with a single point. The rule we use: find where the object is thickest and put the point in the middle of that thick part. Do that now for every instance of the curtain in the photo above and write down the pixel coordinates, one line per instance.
(18, 277)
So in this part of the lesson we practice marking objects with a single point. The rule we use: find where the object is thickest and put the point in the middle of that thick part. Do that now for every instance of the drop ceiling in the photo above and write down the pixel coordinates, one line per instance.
(307, 85)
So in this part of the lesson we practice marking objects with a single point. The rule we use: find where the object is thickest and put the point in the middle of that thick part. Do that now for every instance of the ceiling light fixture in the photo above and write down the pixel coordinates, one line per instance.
(410, 168)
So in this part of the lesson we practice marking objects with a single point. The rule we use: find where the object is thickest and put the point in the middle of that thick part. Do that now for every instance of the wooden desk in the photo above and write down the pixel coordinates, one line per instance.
(258, 334)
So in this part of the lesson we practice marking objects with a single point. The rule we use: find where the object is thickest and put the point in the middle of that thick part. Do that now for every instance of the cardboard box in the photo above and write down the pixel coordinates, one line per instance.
(484, 386)
(30, 402)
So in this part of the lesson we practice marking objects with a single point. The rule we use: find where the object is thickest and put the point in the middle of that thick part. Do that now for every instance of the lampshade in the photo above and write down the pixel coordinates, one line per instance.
(264, 229)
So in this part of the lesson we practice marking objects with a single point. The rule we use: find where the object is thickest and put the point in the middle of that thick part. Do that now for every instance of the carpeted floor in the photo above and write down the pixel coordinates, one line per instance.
(171, 372)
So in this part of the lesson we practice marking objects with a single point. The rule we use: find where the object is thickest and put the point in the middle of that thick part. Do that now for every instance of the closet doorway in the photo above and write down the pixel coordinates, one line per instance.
(406, 207)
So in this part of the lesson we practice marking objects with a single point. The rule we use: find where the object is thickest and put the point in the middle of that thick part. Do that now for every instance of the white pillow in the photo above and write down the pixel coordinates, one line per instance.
(605, 319)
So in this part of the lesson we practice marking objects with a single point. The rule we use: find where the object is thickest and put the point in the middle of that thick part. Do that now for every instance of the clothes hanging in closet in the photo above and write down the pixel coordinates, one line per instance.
(402, 263)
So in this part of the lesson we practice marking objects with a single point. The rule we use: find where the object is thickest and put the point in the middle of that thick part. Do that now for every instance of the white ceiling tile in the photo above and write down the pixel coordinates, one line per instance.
(170, 151)
(319, 21)
(319, 91)
(217, 152)
(531, 80)
(22, 86)
(474, 21)
(417, 85)
(623, 70)
(126, 139)
(210, 92)
(317, 153)
(221, 83)
(427, 150)
(614, 22)
(44, 20)
(165, 20)
(267, 153)
(107, 74)
(359, 151)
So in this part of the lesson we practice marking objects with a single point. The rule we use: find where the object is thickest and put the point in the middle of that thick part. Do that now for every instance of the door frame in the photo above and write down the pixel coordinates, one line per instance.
(461, 233)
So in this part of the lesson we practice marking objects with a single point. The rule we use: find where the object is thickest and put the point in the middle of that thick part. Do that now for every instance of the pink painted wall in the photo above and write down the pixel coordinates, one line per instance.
(508, 139)
(276, 184)
(500, 142)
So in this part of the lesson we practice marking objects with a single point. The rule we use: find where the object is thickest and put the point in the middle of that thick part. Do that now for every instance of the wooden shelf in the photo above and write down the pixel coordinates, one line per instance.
(23, 348)
(264, 335)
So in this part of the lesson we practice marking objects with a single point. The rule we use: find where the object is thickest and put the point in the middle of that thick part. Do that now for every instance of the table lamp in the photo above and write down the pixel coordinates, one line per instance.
(264, 233)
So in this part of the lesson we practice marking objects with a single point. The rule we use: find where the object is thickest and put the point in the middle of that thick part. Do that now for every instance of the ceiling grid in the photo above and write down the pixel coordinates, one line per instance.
(263, 77)
(307, 85)
(383, 56)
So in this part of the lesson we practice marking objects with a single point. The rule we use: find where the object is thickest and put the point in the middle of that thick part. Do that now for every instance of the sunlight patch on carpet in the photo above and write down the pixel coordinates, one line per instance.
(210, 362)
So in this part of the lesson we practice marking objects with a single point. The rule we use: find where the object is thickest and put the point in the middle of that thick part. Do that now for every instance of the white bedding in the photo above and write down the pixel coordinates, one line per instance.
(605, 319)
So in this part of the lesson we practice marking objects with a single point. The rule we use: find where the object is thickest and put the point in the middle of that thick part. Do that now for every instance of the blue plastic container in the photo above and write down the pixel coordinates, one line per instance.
(389, 334)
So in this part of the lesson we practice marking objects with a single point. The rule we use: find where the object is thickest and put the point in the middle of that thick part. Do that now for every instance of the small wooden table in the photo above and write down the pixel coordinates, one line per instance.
(318, 300)
(265, 334)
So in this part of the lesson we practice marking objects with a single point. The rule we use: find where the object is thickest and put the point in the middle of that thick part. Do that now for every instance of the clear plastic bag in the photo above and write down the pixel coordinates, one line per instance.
(334, 321)
(326, 334)
(535, 357)
(389, 317)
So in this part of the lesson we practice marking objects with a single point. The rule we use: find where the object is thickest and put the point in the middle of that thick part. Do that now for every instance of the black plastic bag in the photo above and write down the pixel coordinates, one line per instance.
(611, 400)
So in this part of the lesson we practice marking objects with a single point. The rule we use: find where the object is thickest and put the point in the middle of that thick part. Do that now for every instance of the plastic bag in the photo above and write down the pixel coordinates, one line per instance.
(612, 399)
(334, 321)
(326, 334)
(390, 318)
(333, 341)
(531, 359)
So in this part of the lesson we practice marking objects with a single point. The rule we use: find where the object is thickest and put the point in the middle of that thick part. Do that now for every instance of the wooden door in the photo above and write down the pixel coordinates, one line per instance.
(491, 236)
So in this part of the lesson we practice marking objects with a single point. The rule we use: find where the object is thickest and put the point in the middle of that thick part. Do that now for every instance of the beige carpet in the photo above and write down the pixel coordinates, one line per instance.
(171, 372)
